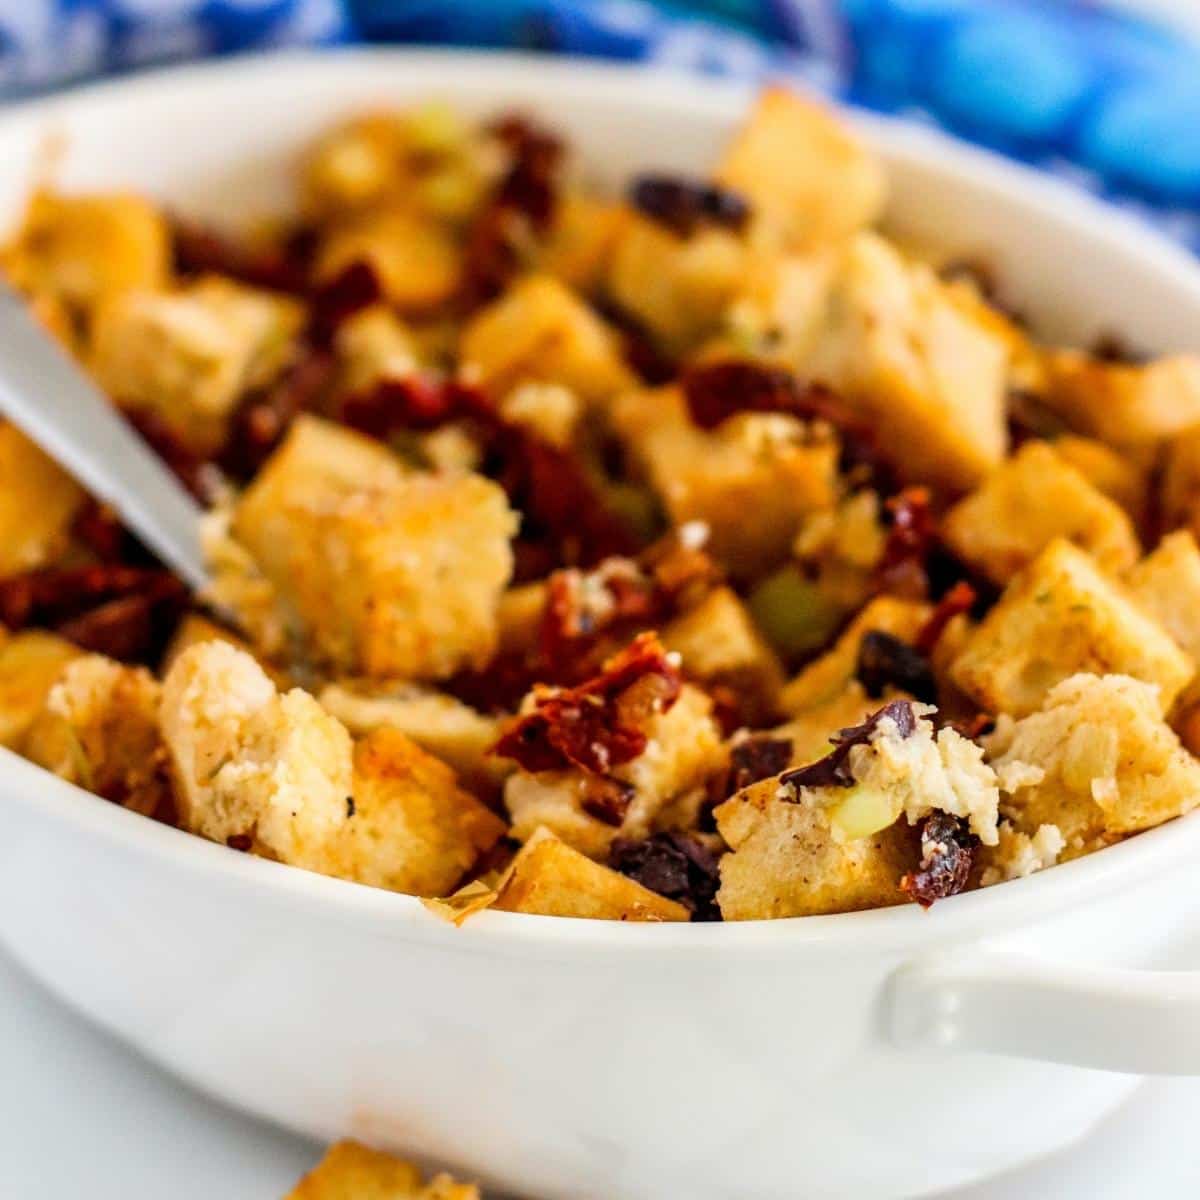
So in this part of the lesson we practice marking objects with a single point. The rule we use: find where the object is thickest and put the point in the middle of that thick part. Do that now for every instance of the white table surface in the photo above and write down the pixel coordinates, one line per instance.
(82, 1117)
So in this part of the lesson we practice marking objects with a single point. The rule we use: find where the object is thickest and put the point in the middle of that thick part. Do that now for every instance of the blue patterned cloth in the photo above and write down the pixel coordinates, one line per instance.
(1078, 87)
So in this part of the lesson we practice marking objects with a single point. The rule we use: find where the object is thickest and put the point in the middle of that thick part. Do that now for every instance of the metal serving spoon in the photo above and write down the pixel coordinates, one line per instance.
(50, 399)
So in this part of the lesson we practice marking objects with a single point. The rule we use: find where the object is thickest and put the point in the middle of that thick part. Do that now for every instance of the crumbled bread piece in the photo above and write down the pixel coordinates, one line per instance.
(251, 765)
(684, 747)
(384, 572)
(551, 879)
(538, 330)
(803, 169)
(30, 663)
(437, 722)
(1027, 502)
(719, 644)
(373, 345)
(1110, 764)
(825, 679)
(196, 628)
(81, 249)
(38, 501)
(549, 410)
(1124, 403)
(190, 355)
(1120, 476)
(351, 1171)
(412, 828)
(1018, 855)
(928, 376)
(1060, 616)
(98, 728)
(675, 287)
(768, 464)
(415, 258)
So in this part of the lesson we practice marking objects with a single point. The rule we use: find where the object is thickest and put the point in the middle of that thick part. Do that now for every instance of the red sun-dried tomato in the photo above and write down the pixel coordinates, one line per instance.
(281, 266)
(959, 599)
(911, 539)
(332, 303)
(947, 853)
(416, 402)
(601, 723)
(99, 528)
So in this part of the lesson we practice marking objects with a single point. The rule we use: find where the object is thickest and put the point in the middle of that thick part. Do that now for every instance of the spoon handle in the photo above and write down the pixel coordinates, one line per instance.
(49, 399)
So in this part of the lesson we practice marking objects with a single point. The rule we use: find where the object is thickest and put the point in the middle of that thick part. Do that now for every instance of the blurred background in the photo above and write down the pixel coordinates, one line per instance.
(1104, 91)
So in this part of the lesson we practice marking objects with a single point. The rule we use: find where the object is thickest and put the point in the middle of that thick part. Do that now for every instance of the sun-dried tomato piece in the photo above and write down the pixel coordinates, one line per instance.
(716, 391)
(355, 287)
(415, 402)
(131, 628)
(685, 205)
(959, 599)
(181, 460)
(599, 724)
(834, 769)
(649, 360)
(912, 538)
(281, 267)
(264, 416)
(885, 661)
(674, 865)
(947, 853)
(53, 594)
(99, 529)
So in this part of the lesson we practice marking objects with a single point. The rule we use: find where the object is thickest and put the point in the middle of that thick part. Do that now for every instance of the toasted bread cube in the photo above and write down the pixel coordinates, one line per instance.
(416, 260)
(1027, 502)
(438, 723)
(1017, 855)
(1124, 403)
(787, 861)
(752, 480)
(550, 879)
(190, 355)
(38, 501)
(412, 828)
(719, 644)
(1180, 495)
(1059, 617)
(684, 746)
(98, 728)
(920, 367)
(1166, 584)
(538, 330)
(374, 345)
(196, 628)
(81, 249)
(30, 664)
(675, 287)
(826, 678)
(581, 239)
(252, 766)
(804, 169)
(387, 573)
(811, 731)
(1118, 475)
(1110, 764)
(548, 410)
(351, 1171)
(355, 165)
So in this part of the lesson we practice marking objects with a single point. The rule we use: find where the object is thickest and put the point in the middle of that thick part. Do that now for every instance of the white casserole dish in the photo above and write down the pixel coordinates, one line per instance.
(887, 1053)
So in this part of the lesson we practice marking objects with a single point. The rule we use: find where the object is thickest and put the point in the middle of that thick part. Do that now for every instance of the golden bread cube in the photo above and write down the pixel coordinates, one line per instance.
(924, 371)
(385, 572)
(1180, 486)
(550, 879)
(196, 628)
(1124, 403)
(412, 828)
(1027, 502)
(1110, 765)
(1118, 475)
(355, 165)
(38, 502)
(83, 248)
(803, 168)
(373, 345)
(352, 1171)
(190, 355)
(1062, 616)
(539, 330)
(30, 664)
(580, 242)
(752, 480)
(98, 728)
(1166, 584)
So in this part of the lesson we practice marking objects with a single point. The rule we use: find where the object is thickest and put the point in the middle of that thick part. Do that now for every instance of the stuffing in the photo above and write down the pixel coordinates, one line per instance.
(190, 355)
(1124, 403)
(549, 410)
(1119, 475)
(1180, 488)
(549, 878)
(1166, 584)
(83, 249)
(769, 464)
(1061, 616)
(802, 169)
(374, 345)
(412, 828)
(351, 1171)
(1028, 501)
(38, 501)
(579, 244)
(383, 572)
(540, 331)
(196, 628)
(1018, 855)
(928, 377)
(30, 664)
(1109, 764)
(98, 728)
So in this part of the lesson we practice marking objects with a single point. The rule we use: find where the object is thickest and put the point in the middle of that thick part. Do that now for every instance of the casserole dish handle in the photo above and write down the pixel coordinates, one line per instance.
(1106, 1018)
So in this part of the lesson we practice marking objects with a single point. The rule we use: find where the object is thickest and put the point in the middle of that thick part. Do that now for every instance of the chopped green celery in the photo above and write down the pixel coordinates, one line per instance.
(794, 614)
